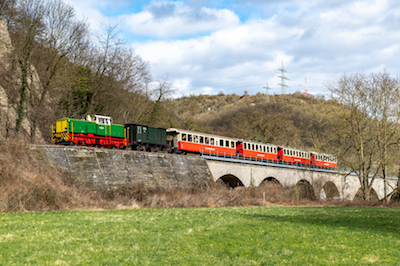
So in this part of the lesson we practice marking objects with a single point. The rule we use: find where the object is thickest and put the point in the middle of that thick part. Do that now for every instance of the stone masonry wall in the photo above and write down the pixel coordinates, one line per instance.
(110, 169)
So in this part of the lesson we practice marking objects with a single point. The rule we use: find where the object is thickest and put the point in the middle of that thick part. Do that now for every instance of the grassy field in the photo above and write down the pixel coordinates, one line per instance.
(203, 236)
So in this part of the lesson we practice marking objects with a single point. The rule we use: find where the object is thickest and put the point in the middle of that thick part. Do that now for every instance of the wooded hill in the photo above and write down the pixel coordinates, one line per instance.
(295, 120)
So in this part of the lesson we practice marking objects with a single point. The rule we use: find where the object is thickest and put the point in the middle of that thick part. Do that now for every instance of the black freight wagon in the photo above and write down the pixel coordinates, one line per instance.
(146, 138)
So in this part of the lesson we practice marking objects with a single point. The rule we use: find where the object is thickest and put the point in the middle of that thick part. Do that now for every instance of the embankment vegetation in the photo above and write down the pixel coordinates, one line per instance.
(28, 182)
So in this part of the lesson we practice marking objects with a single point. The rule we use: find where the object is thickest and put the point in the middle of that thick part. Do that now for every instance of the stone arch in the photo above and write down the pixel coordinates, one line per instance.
(304, 190)
(271, 181)
(373, 195)
(231, 181)
(329, 191)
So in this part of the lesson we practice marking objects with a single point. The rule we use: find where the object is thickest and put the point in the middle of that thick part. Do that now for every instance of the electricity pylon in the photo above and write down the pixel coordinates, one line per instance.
(283, 79)
(267, 88)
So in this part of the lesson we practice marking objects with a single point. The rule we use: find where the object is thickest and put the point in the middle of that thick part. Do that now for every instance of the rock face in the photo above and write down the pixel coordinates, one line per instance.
(102, 169)
(9, 89)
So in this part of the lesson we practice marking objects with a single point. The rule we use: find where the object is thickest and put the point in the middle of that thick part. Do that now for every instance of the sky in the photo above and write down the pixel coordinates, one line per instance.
(233, 46)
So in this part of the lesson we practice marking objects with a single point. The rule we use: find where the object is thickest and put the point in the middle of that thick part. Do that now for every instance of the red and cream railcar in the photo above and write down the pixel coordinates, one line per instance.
(295, 156)
(182, 140)
(325, 161)
(251, 149)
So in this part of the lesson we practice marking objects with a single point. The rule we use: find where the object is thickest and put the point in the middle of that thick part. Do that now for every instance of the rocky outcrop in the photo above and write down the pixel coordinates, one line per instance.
(9, 89)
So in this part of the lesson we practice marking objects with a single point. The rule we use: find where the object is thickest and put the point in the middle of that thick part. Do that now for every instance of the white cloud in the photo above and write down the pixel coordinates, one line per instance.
(226, 51)
(171, 19)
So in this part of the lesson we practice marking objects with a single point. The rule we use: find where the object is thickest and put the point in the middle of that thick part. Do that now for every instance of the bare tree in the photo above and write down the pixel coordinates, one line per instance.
(25, 23)
(63, 45)
(366, 125)
(386, 96)
(162, 89)
(118, 74)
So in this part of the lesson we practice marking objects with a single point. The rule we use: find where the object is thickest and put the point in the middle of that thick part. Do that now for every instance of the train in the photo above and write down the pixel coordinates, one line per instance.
(100, 131)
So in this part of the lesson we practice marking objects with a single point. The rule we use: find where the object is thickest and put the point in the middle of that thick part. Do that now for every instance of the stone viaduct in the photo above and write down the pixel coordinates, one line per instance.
(323, 184)
(110, 169)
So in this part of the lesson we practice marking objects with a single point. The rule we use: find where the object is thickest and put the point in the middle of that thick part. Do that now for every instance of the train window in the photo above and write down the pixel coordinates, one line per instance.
(201, 138)
(183, 137)
(252, 147)
(227, 143)
(232, 144)
(207, 140)
(190, 137)
(195, 139)
(221, 142)
(212, 141)
(267, 149)
(256, 147)
(291, 152)
(263, 148)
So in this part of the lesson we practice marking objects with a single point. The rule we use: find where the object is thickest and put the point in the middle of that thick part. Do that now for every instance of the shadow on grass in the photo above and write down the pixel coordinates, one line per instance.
(378, 220)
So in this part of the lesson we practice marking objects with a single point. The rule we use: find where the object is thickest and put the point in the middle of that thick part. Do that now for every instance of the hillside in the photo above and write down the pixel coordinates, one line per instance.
(295, 120)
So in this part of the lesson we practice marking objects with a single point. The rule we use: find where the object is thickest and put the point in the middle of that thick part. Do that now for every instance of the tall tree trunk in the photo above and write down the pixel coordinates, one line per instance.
(24, 87)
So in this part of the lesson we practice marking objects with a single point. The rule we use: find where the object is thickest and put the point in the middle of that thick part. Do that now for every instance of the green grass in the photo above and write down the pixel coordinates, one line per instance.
(204, 236)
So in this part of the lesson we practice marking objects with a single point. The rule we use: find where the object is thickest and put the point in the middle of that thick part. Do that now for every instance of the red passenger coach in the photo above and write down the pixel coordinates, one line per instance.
(325, 161)
(258, 150)
(185, 141)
